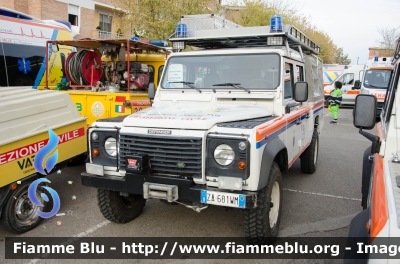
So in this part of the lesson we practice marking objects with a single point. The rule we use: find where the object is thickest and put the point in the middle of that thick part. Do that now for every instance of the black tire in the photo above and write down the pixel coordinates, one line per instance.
(257, 221)
(18, 215)
(117, 208)
(309, 157)
(77, 160)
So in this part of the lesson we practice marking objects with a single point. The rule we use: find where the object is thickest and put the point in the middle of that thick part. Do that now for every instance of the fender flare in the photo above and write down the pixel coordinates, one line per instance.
(270, 151)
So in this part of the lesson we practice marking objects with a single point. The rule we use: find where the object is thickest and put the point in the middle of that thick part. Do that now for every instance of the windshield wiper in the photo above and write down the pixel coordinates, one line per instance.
(235, 85)
(190, 84)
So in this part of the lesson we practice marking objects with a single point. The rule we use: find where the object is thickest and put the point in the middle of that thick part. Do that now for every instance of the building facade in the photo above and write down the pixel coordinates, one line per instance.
(93, 18)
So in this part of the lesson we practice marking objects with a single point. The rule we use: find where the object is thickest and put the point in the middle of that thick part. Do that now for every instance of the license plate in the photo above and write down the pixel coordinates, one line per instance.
(223, 199)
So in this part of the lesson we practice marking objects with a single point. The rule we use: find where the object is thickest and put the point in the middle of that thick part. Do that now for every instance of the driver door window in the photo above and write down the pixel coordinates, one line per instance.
(288, 81)
(348, 79)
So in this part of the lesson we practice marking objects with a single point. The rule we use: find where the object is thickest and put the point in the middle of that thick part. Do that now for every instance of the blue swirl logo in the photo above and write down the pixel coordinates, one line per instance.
(34, 199)
(38, 165)
(43, 152)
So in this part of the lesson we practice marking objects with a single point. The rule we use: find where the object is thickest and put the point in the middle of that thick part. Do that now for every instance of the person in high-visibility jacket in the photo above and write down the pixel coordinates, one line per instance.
(334, 101)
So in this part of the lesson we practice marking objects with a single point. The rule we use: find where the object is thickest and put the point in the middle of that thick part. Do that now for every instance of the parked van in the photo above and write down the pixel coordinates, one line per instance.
(332, 72)
(348, 78)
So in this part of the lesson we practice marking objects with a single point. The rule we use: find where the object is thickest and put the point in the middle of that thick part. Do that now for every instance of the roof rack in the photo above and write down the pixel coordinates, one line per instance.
(246, 37)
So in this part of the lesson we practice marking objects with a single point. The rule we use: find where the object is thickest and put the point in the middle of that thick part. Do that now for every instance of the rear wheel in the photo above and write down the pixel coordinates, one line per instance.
(118, 208)
(309, 157)
(261, 224)
(19, 214)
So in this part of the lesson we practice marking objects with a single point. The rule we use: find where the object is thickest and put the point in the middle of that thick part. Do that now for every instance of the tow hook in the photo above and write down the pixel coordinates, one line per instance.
(197, 208)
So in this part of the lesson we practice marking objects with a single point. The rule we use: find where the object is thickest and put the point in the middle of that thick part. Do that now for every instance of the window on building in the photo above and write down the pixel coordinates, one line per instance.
(73, 14)
(105, 22)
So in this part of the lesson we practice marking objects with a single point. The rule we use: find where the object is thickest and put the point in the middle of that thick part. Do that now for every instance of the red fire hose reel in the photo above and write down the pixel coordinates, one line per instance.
(83, 68)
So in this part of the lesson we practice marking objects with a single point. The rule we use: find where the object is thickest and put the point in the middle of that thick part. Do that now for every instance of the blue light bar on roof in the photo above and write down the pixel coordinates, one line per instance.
(181, 30)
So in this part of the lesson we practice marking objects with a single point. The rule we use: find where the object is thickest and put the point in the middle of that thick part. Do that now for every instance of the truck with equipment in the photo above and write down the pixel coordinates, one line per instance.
(227, 120)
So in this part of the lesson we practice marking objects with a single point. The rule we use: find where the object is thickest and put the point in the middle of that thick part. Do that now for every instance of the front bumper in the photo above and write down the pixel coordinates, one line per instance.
(133, 184)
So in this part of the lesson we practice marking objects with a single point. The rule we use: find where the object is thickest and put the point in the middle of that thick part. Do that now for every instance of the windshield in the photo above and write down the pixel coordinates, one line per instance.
(248, 71)
(377, 79)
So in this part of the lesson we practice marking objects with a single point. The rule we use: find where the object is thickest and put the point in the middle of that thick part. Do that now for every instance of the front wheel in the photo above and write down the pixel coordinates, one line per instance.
(261, 224)
(19, 214)
(309, 157)
(117, 208)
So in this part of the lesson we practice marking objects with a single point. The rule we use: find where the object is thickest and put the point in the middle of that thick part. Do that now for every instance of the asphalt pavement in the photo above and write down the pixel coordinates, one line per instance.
(321, 204)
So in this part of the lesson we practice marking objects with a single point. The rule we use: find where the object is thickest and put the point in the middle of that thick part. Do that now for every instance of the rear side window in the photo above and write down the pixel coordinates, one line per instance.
(21, 64)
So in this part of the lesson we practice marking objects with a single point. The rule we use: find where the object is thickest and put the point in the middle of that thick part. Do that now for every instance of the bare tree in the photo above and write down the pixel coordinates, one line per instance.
(389, 36)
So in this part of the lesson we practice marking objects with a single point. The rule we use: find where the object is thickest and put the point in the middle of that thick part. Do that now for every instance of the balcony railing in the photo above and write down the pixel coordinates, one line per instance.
(99, 34)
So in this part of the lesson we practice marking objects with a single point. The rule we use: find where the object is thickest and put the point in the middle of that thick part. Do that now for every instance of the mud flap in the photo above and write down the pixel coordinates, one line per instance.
(357, 233)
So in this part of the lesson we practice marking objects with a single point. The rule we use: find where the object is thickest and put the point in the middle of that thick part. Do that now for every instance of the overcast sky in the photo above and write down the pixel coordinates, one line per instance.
(352, 24)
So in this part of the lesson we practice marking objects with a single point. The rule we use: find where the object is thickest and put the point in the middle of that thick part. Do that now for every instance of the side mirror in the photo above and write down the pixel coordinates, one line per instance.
(364, 111)
(54, 47)
(357, 85)
(300, 92)
(151, 91)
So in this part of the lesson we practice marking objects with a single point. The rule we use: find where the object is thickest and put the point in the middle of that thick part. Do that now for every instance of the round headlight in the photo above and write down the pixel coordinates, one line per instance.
(111, 146)
(224, 155)
(95, 136)
(242, 145)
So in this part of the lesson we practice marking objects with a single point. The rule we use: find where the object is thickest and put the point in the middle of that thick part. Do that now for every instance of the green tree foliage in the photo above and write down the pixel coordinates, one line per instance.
(342, 58)
(259, 13)
(156, 19)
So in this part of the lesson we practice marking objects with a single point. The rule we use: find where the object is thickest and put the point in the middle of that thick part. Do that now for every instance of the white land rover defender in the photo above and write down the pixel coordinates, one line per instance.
(226, 121)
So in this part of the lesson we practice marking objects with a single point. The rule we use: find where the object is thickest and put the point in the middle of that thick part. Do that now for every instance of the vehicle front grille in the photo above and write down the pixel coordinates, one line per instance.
(165, 153)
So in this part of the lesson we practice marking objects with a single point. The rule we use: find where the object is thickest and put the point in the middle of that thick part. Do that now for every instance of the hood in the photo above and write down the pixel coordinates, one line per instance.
(192, 116)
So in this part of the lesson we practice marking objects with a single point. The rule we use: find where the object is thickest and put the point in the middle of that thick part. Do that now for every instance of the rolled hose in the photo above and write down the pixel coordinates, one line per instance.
(79, 67)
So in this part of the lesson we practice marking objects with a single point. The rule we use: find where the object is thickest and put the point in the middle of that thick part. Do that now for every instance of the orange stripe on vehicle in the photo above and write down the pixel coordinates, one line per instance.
(297, 155)
(318, 105)
(270, 127)
(353, 92)
(379, 210)
(275, 124)
(382, 68)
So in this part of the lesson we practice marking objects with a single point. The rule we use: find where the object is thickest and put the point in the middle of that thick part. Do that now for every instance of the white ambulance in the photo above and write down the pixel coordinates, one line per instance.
(348, 78)
(376, 79)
